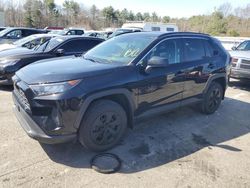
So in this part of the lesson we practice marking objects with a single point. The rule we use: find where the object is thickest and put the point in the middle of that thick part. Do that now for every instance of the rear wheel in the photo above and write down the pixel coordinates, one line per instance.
(103, 125)
(212, 98)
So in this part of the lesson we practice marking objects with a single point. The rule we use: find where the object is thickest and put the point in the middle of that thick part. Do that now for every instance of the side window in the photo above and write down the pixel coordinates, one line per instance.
(170, 29)
(36, 42)
(209, 49)
(169, 49)
(156, 28)
(79, 32)
(194, 49)
(16, 34)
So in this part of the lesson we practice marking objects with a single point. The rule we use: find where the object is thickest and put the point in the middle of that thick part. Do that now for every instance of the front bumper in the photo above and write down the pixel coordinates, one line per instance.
(34, 131)
(238, 73)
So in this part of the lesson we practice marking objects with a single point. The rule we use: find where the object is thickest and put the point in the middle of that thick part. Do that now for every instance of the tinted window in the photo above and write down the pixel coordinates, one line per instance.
(80, 45)
(15, 34)
(29, 32)
(194, 49)
(209, 49)
(168, 49)
(79, 32)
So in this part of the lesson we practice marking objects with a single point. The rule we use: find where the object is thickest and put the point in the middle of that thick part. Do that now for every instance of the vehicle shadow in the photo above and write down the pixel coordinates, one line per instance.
(168, 137)
(240, 84)
(6, 88)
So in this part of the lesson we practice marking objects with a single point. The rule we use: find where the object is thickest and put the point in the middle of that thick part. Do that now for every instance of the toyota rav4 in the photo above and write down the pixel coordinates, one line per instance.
(96, 97)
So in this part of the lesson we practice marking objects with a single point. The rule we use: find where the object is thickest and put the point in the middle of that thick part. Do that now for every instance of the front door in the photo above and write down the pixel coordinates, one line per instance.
(162, 85)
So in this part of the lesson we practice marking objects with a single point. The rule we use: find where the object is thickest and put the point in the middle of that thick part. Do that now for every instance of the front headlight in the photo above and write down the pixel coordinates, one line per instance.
(8, 62)
(54, 88)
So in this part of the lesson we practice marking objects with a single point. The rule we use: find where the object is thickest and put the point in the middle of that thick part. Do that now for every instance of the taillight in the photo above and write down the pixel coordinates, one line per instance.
(234, 60)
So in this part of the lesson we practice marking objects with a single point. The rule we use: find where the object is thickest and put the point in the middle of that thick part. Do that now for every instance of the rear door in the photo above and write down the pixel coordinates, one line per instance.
(199, 63)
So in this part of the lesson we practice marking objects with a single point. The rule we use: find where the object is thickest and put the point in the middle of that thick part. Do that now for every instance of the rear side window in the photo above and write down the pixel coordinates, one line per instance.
(79, 32)
(194, 49)
(80, 45)
(209, 49)
(29, 32)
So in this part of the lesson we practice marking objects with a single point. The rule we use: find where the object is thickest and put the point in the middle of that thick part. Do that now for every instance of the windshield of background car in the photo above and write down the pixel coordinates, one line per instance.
(22, 41)
(51, 44)
(122, 49)
(244, 46)
(5, 31)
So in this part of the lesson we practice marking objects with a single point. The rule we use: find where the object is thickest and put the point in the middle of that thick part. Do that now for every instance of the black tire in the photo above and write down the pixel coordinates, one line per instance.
(212, 98)
(103, 125)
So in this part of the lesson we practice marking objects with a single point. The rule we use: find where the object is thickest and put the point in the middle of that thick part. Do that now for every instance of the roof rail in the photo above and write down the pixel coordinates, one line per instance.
(184, 33)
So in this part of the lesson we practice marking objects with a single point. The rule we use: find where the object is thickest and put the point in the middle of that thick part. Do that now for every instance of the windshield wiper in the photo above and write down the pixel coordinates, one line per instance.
(90, 59)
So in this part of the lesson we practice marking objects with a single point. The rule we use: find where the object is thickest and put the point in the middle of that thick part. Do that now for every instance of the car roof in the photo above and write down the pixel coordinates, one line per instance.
(26, 28)
(159, 34)
(68, 37)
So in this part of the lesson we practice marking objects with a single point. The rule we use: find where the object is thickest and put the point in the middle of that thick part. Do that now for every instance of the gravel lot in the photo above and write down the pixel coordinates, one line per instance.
(183, 148)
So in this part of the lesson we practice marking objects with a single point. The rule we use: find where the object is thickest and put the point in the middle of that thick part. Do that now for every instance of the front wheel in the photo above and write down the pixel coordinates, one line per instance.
(103, 125)
(212, 98)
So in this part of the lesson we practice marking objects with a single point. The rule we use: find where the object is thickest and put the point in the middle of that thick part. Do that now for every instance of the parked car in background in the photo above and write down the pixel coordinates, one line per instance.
(12, 34)
(240, 67)
(98, 34)
(95, 98)
(29, 42)
(14, 59)
(2, 28)
(122, 31)
(70, 31)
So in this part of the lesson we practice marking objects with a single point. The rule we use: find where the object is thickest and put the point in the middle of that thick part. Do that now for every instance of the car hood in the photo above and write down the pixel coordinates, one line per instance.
(6, 46)
(15, 52)
(62, 69)
(240, 54)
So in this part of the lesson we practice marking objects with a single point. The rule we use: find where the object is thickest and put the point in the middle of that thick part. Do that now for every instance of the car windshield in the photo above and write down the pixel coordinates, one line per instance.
(50, 45)
(244, 46)
(5, 31)
(122, 49)
(22, 41)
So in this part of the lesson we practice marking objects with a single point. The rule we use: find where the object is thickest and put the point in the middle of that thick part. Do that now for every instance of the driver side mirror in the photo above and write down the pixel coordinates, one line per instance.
(156, 62)
(60, 52)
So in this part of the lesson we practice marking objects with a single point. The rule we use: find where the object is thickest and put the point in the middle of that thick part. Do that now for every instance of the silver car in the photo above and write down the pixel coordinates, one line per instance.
(240, 67)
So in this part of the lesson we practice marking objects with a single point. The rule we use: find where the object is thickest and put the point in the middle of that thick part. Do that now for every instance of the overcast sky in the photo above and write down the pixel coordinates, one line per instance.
(172, 8)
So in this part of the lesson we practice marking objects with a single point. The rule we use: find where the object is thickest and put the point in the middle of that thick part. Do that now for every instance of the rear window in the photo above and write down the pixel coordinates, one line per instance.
(194, 49)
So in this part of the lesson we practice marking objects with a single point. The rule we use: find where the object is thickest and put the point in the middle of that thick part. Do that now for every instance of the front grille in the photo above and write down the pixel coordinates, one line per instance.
(22, 98)
(244, 61)
(243, 66)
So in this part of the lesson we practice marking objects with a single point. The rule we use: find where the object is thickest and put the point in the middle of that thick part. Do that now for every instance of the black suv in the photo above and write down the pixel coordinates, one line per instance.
(95, 98)
(12, 60)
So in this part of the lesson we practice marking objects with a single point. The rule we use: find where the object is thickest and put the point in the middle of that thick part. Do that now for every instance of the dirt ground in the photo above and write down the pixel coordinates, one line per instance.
(183, 148)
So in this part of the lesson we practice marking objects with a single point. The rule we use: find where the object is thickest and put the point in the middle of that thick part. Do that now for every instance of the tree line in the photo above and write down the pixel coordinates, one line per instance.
(224, 20)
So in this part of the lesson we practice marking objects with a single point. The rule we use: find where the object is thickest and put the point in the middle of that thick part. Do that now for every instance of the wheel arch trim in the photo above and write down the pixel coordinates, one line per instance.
(89, 99)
